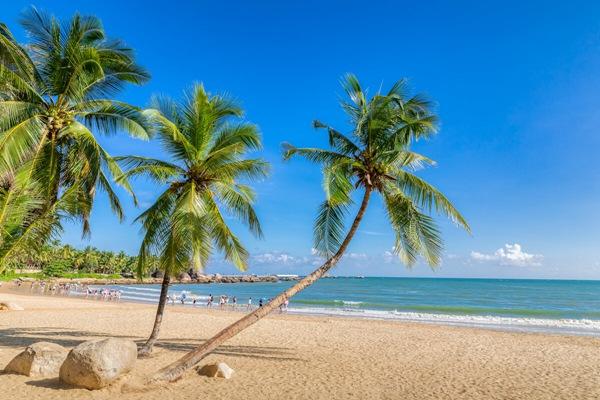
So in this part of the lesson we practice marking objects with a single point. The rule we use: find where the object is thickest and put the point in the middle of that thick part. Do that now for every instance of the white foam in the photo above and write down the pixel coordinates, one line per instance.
(141, 289)
(567, 326)
(349, 303)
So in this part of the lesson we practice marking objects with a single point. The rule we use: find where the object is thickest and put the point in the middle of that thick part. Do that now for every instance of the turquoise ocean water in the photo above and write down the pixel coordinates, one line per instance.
(549, 305)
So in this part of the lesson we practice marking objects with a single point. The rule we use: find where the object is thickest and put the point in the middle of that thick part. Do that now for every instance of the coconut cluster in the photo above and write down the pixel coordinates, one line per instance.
(58, 119)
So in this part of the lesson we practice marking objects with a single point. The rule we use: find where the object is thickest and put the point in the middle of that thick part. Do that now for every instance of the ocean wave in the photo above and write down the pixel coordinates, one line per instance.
(567, 326)
(143, 289)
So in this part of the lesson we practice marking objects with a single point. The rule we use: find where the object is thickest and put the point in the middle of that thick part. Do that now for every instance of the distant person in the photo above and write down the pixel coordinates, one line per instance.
(210, 300)
(183, 297)
(260, 302)
(234, 302)
(250, 303)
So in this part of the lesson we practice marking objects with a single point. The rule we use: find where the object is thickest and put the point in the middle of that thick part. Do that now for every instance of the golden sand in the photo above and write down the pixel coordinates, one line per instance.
(300, 357)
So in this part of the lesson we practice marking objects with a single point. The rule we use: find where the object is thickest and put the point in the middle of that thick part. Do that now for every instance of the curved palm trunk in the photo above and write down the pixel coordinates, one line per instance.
(175, 370)
(146, 349)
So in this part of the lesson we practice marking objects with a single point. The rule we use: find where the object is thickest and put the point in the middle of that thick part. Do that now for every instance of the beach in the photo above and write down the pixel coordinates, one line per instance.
(307, 357)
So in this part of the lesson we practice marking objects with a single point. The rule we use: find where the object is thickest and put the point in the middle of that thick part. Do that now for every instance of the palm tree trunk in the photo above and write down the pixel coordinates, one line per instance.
(175, 370)
(146, 349)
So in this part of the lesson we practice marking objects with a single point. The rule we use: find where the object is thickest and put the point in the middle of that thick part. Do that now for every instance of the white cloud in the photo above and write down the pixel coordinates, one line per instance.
(510, 254)
(282, 258)
(275, 258)
(370, 233)
(356, 256)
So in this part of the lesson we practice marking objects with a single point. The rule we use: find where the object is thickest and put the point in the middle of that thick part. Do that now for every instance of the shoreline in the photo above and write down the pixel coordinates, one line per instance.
(301, 356)
(568, 327)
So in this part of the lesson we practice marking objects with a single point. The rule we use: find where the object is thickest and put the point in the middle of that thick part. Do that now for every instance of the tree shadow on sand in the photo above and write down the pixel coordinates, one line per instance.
(22, 337)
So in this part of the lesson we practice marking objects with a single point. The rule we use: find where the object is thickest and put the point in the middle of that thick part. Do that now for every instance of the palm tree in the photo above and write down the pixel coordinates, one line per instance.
(208, 144)
(27, 220)
(375, 158)
(55, 94)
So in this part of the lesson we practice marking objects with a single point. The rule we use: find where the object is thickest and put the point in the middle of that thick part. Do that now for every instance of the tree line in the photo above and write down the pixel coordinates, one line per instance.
(55, 259)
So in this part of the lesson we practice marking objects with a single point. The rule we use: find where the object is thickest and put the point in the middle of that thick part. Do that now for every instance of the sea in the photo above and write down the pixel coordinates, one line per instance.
(550, 306)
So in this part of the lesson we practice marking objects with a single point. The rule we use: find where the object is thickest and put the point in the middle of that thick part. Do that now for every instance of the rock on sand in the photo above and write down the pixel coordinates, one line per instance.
(217, 370)
(8, 306)
(96, 364)
(39, 359)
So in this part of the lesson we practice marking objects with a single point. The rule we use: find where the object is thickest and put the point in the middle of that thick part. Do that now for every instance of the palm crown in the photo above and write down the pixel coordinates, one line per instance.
(376, 156)
(55, 91)
(208, 144)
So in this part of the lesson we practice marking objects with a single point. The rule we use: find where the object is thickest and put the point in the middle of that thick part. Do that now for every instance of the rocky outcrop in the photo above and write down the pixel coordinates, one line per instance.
(96, 364)
(184, 277)
(40, 359)
(217, 370)
(9, 306)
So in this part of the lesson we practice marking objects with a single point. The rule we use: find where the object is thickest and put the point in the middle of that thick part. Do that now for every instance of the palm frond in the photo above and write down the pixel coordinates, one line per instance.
(416, 233)
(328, 229)
(428, 197)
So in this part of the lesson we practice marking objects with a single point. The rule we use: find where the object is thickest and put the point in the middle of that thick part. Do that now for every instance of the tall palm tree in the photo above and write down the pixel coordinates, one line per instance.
(374, 158)
(56, 92)
(208, 144)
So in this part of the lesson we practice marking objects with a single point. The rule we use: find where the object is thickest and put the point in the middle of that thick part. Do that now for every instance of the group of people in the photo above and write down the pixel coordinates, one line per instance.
(68, 289)
(104, 294)
(113, 294)
(224, 301)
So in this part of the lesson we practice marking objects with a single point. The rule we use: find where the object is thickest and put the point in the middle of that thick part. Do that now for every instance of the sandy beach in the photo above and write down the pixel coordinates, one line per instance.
(304, 357)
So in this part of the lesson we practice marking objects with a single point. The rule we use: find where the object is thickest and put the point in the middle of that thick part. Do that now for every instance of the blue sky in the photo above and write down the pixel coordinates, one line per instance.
(517, 89)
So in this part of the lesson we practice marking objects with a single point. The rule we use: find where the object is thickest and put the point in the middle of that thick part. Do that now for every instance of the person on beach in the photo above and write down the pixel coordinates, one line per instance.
(234, 301)
(183, 297)
(221, 302)
(260, 302)
(283, 307)
(210, 300)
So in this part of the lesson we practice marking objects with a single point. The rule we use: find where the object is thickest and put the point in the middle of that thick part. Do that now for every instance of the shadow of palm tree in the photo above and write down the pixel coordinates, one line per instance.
(22, 337)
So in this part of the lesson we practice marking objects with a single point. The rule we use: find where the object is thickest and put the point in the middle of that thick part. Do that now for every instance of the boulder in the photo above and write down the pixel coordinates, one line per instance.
(217, 370)
(157, 274)
(184, 277)
(40, 359)
(8, 306)
(98, 363)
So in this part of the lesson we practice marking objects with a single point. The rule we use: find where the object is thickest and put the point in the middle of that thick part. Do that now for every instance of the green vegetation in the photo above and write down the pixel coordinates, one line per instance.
(57, 260)
(56, 93)
(207, 143)
(12, 275)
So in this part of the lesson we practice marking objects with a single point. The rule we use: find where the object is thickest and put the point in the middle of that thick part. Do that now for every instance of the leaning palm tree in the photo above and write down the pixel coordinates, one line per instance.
(374, 158)
(208, 144)
(56, 93)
